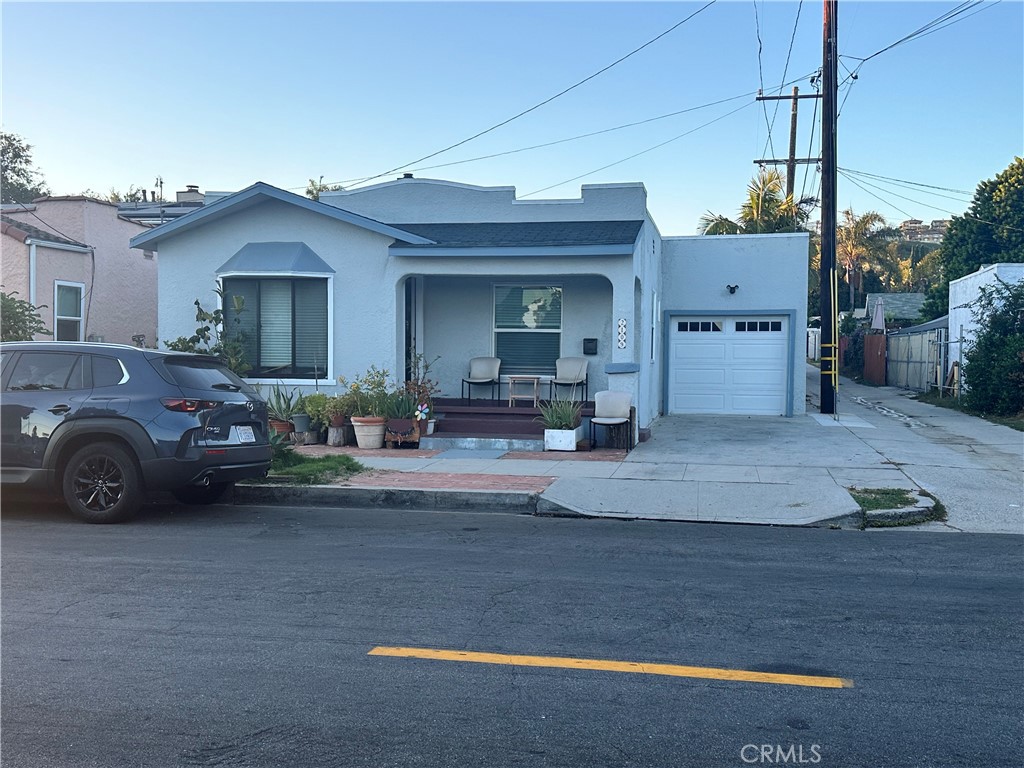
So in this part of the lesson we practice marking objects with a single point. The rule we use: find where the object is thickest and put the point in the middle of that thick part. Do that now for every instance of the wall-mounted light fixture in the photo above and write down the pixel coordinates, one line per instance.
(732, 288)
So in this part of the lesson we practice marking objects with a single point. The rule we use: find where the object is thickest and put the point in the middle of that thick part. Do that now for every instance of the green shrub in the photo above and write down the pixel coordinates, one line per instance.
(994, 364)
(561, 414)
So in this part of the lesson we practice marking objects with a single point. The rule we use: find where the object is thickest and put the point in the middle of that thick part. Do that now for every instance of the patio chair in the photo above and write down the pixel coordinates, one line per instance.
(612, 409)
(570, 372)
(482, 370)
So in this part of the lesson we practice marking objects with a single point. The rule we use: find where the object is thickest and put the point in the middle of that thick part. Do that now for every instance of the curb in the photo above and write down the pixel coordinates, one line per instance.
(922, 512)
(509, 502)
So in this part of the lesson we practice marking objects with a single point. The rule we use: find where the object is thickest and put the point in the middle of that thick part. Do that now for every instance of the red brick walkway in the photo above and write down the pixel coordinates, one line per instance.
(441, 481)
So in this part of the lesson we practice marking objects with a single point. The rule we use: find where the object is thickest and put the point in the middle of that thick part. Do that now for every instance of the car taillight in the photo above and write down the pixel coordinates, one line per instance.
(184, 405)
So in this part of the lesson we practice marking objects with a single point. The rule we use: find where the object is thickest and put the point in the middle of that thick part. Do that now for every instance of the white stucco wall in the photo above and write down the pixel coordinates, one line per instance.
(427, 201)
(770, 270)
(963, 292)
(364, 296)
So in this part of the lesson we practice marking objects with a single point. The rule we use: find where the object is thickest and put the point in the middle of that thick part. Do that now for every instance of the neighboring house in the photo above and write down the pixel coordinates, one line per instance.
(153, 212)
(963, 292)
(72, 255)
(711, 324)
(903, 308)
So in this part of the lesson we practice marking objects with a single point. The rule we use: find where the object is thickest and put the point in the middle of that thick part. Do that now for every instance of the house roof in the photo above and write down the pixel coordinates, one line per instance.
(531, 233)
(276, 257)
(901, 306)
(260, 193)
(21, 231)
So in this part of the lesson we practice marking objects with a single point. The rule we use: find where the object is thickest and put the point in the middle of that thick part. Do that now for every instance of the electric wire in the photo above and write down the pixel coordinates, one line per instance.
(638, 154)
(785, 69)
(760, 76)
(965, 215)
(748, 94)
(810, 144)
(542, 103)
(905, 181)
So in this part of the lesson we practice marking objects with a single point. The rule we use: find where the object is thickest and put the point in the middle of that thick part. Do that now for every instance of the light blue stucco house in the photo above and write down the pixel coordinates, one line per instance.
(707, 324)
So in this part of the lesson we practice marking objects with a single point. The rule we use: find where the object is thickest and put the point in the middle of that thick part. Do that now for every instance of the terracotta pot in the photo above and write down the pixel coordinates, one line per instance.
(281, 427)
(369, 431)
(339, 421)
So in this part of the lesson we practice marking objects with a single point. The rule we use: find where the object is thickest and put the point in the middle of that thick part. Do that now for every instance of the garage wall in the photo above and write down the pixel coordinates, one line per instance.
(771, 274)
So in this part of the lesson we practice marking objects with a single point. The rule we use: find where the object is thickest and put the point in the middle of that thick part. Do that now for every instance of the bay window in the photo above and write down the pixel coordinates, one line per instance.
(281, 323)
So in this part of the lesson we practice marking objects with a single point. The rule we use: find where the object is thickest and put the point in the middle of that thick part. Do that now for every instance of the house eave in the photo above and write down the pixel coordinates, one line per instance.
(256, 194)
(515, 251)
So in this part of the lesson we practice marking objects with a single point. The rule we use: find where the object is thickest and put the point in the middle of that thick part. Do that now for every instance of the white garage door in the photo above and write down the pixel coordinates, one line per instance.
(728, 365)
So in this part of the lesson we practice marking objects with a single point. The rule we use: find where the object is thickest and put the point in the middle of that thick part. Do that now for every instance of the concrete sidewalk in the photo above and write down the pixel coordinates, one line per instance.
(757, 469)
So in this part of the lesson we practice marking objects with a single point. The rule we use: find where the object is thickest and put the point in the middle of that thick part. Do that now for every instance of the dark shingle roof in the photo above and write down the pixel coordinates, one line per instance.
(900, 306)
(22, 231)
(526, 234)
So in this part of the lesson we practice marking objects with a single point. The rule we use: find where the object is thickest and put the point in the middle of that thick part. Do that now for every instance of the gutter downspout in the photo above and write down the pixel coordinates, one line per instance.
(32, 274)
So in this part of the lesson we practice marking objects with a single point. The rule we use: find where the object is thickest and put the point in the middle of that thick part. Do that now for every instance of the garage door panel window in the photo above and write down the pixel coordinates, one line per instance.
(281, 324)
(758, 326)
(527, 328)
(699, 326)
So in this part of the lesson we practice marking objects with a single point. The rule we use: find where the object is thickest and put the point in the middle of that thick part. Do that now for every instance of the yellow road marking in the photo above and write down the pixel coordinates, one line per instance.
(561, 662)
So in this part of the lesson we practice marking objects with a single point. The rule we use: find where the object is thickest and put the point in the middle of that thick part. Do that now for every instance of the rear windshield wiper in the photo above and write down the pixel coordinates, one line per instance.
(227, 386)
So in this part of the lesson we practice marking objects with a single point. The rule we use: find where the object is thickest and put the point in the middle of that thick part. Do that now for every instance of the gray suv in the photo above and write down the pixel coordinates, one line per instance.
(103, 424)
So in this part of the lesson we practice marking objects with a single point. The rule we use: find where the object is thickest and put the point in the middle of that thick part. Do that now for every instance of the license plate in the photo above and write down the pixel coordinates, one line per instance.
(245, 435)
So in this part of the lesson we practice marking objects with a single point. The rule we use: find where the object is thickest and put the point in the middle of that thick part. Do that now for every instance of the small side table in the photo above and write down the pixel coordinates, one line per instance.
(513, 395)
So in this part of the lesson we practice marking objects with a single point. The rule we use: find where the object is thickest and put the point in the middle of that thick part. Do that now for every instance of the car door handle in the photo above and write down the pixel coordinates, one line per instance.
(59, 410)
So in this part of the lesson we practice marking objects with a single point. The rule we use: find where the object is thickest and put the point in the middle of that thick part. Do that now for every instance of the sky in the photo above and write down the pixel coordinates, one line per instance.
(222, 95)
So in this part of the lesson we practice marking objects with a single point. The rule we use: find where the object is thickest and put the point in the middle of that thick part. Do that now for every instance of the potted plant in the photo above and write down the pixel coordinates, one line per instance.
(369, 395)
(402, 421)
(563, 424)
(424, 388)
(337, 411)
(301, 418)
(281, 406)
(315, 406)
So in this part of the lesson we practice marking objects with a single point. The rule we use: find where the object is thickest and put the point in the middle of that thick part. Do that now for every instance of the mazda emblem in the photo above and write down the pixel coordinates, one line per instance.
(249, 405)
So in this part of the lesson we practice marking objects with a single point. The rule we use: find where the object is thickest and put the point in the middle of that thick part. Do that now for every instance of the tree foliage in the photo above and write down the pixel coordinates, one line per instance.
(767, 209)
(991, 231)
(315, 187)
(19, 320)
(211, 337)
(862, 248)
(20, 182)
(994, 364)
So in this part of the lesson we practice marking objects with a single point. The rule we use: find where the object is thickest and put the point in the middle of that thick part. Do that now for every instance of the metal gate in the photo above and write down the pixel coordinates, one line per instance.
(917, 357)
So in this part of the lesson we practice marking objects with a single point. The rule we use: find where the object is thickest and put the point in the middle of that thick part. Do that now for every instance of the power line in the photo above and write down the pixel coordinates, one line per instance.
(542, 103)
(580, 136)
(905, 181)
(572, 138)
(760, 75)
(785, 69)
(810, 144)
(643, 152)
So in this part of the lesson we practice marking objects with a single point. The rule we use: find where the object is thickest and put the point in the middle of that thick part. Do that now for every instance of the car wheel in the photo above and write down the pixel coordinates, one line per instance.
(200, 494)
(101, 484)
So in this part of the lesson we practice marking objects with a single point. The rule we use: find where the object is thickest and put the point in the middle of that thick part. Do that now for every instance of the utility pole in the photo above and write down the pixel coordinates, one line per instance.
(829, 284)
(792, 161)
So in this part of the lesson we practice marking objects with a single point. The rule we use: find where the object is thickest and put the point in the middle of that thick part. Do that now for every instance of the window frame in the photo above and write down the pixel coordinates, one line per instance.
(57, 285)
(495, 330)
(329, 374)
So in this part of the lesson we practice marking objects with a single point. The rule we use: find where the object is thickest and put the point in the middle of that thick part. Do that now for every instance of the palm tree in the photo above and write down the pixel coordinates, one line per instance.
(766, 209)
(862, 245)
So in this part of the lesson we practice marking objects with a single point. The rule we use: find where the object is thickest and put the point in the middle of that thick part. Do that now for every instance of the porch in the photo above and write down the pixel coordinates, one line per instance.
(494, 424)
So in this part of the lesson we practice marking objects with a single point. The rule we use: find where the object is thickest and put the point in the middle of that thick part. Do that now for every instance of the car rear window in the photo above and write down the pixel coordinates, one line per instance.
(107, 372)
(189, 373)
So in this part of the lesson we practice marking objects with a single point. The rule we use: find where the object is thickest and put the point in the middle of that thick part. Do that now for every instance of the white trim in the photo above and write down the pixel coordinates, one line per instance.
(81, 308)
(57, 246)
(495, 330)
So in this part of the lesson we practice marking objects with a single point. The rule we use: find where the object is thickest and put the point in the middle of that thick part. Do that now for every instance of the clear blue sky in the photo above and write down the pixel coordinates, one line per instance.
(225, 94)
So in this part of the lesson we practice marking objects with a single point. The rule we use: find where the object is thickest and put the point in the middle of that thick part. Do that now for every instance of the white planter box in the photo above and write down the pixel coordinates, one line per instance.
(562, 439)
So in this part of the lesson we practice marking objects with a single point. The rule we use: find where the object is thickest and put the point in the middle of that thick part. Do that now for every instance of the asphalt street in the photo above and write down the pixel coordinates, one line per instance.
(241, 636)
